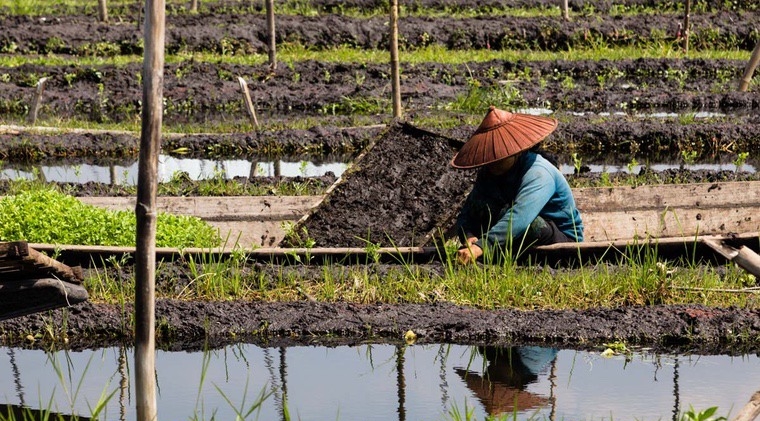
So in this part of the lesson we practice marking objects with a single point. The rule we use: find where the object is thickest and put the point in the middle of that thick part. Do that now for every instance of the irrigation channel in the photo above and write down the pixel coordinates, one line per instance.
(383, 382)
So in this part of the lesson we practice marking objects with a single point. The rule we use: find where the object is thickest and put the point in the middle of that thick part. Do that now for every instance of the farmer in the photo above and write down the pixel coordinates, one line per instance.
(520, 199)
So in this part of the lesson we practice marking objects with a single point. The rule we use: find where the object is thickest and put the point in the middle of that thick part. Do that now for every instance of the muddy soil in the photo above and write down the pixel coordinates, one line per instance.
(420, 6)
(359, 94)
(601, 140)
(191, 325)
(247, 33)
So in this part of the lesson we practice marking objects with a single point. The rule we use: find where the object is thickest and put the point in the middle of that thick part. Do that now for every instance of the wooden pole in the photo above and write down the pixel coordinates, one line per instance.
(145, 210)
(750, 69)
(248, 102)
(751, 410)
(36, 101)
(194, 6)
(686, 27)
(566, 10)
(271, 32)
(395, 78)
(102, 11)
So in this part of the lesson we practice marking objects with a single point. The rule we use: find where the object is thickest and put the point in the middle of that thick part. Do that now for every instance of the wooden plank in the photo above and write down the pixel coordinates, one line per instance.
(669, 222)
(695, 195)
(248, 208)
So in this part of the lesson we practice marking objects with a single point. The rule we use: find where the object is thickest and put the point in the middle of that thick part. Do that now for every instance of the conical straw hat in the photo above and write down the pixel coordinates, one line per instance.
(500, 135)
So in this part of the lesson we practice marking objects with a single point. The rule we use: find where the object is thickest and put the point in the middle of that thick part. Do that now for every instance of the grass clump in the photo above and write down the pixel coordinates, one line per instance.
(42, 214)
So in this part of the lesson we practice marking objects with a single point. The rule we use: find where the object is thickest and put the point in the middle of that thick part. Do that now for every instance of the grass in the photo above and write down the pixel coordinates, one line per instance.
(293, 53)
(636, 280)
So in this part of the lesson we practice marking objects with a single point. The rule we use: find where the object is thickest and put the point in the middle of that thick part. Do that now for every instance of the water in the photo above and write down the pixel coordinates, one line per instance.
(197, 169)
(202, 169)
(371, 382)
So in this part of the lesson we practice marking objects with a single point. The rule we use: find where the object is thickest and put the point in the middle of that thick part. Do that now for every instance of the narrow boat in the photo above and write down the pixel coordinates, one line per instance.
(32, 282)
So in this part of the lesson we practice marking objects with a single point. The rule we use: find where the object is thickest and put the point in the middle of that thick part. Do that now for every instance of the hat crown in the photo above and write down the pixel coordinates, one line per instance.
(500, 135)
(494, 119)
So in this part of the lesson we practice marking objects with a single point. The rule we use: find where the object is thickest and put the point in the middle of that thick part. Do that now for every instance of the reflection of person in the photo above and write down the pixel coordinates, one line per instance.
(502, 387)
(520, 199)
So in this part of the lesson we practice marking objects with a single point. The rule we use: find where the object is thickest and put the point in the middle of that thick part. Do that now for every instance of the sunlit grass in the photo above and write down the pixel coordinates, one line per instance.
(294, 53)
(632, 281)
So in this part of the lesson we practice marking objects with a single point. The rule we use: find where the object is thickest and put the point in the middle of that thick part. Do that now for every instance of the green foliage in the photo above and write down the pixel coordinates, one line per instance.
(705, 415)
(40, 214)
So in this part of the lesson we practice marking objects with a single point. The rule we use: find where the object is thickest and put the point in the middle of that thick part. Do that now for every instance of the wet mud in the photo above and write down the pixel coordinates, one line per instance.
(359, 94)
(197, 324)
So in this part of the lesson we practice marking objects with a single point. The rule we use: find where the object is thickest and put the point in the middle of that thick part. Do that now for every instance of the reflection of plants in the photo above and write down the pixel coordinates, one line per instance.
(741, 159)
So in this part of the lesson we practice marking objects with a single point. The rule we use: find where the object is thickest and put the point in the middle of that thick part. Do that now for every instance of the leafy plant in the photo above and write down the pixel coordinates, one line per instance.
(704, 415)
(44, 215)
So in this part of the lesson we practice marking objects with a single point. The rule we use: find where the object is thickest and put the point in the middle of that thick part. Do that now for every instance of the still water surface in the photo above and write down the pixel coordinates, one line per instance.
(202, 169)
(384, 382)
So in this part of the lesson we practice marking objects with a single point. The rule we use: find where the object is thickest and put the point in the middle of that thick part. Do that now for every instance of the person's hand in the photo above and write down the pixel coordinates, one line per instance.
(469, 253)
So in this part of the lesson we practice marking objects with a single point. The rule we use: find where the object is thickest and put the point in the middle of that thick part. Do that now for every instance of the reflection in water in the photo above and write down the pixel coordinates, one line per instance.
(381, 382)
(502, 387)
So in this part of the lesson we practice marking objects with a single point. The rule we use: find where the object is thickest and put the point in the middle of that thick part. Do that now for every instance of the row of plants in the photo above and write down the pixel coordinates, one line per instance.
(246, 35)
(129, 9)
(39, 213)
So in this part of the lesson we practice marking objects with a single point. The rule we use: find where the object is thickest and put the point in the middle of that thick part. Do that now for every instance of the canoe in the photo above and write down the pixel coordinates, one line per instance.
(31, 282)
(609, 213)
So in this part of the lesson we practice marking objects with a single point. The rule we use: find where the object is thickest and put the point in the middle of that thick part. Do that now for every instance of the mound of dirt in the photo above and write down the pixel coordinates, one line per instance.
(397, 194)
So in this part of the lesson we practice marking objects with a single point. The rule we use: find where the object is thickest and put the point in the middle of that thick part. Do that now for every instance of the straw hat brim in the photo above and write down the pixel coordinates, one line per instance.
(502, 134)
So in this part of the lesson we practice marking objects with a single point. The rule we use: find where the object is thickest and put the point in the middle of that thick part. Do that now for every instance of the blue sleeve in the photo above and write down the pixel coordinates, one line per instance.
(536, 188)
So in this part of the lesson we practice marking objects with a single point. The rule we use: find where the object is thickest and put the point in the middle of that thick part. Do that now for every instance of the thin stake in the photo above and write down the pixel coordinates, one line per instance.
(194, 6)
(271, 32)
(248, 102)
(686, 27)
(395, 78)
(102, 11)
(36, 101)
(750, 69)
(145, 210)
(565, 10)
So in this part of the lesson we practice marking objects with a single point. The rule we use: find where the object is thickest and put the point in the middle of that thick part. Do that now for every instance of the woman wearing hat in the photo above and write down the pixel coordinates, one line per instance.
(520, 199)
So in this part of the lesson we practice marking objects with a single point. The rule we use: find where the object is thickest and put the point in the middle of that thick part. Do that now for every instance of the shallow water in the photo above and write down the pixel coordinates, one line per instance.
(201, 169)
(196, 169)
(376, 382)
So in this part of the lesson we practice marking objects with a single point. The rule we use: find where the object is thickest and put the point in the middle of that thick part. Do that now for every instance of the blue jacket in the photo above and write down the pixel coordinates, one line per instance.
(505, 205)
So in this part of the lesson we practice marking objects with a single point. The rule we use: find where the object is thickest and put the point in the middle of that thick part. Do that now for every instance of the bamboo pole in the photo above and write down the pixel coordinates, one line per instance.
(750, 69)
(566, 10)
(395, 77)
(751, 410)
(271, 32)
(36, 101)
(686, 27)
(102, 11)
(145, 210)
(248, 102)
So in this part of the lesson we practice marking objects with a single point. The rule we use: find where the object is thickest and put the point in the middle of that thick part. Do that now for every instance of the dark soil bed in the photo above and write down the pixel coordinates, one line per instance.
(611, 140)
(354, 94)
(193, 325)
